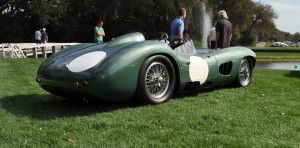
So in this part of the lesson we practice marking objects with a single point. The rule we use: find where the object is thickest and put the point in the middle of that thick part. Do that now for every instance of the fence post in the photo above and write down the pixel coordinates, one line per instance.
(44, 52)
(34, 50)
(53, 50)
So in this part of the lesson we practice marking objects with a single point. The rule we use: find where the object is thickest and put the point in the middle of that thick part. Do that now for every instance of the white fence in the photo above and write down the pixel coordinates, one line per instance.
(23, 50)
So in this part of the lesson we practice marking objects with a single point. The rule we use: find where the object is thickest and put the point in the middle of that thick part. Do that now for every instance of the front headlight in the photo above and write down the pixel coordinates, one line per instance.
(86, 61)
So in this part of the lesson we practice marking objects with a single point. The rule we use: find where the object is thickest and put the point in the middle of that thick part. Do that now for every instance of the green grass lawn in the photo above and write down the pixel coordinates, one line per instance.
(197, 43)
(278, 56)
(264, 114)
(277, 53)
(277, 48)
(293, 53)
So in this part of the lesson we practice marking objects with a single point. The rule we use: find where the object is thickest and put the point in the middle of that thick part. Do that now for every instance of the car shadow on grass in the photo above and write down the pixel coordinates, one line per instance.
(48, 107)
(294, 74)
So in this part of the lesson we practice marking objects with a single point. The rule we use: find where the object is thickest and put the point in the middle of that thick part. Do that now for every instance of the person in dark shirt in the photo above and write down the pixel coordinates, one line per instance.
(223, 31)
(44, 36)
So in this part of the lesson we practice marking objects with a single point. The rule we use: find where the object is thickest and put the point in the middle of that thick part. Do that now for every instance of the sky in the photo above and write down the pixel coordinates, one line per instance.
(288, 14)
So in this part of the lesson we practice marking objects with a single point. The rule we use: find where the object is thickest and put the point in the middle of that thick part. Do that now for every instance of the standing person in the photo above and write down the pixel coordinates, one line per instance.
(177, 27)
(223, 30)
(99, 32)
(211, 38)
(44, 36)
(38, 36)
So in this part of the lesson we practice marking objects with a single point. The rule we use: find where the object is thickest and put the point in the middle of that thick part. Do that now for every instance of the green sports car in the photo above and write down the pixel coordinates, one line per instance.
(148, 70)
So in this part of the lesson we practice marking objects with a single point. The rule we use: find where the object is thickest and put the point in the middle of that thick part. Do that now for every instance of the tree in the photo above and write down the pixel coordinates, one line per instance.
(20, 18)
(73, 20)
(11, 16)
(296, 37)
(261, 13)
(147, 16)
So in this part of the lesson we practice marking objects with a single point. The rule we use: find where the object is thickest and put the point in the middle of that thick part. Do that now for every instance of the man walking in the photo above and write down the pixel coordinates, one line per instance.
(44, 36)
(38, 36)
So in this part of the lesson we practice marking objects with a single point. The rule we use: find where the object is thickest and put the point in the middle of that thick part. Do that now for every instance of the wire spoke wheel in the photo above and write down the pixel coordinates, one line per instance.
(157, 80)
(245, 73)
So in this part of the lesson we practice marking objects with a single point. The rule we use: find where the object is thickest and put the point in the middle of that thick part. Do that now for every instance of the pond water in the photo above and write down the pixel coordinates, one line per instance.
(278, 65)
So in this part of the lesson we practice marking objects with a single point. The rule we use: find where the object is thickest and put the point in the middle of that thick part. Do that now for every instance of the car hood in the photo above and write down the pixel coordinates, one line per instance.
(80, 61)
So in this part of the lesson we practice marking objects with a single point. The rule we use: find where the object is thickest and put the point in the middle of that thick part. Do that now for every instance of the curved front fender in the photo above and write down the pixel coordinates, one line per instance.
(119, 72)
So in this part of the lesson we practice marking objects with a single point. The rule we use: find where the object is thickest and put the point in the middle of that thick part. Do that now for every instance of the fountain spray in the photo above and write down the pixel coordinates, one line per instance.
(206, 25)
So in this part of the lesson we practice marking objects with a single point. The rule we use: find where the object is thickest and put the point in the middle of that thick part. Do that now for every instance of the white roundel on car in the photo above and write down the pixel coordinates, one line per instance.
(86, 61)
(198, 69)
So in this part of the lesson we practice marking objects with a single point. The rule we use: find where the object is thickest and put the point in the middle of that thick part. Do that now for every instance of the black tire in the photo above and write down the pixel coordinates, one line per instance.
(244, 75)
(156, 81)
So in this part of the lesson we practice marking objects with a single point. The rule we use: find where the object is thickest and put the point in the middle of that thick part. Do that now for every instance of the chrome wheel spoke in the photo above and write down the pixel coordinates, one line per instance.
(157, 80)
(244, 72)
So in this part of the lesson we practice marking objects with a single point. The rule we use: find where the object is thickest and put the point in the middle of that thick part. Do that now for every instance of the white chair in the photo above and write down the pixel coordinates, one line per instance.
(12, 51)
(6, 50)
(17, 51)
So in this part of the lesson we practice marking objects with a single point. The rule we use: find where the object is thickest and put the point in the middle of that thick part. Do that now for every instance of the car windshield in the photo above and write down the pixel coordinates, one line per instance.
(186, 48)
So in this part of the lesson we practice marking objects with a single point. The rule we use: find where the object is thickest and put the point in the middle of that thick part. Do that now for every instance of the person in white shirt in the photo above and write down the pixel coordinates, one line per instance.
(38, 36)
(211, 38)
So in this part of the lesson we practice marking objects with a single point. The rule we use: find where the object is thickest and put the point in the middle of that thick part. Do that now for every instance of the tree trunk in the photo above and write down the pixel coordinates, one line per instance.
(250, 30)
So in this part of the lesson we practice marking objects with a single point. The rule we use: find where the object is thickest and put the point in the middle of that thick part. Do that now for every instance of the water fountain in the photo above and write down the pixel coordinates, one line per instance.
(206, 25)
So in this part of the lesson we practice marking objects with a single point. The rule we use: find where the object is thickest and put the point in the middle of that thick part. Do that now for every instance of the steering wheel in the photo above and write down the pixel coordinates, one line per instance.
(176, 43)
